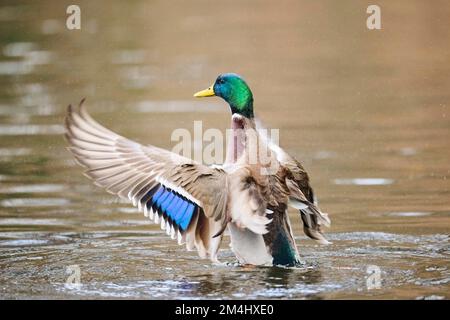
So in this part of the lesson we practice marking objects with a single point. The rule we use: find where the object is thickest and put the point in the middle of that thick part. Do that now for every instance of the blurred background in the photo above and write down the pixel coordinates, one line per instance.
(366, 111)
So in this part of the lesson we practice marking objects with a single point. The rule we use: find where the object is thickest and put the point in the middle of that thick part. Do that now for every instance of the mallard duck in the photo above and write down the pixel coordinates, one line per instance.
(195, 203)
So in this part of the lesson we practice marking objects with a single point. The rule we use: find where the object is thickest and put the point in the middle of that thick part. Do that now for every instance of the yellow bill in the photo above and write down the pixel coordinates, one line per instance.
(206, 93)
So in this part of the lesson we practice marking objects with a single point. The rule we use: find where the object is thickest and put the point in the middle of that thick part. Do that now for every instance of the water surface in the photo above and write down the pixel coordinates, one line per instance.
(367, 112)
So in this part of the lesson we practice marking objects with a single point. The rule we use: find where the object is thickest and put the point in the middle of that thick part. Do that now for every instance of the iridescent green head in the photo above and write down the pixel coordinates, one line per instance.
(234, 90)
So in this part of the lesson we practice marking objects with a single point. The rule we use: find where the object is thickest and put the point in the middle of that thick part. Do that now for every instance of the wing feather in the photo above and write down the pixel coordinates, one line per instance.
(136, 172)
(190, 201)
(301, 196)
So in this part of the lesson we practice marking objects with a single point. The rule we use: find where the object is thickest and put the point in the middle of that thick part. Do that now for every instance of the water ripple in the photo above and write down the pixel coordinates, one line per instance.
(34, 188)
(30, 222)
(177, 106)
(23, 242)
(20, 130)
(34, 202)
(14, 152)
(364, 181)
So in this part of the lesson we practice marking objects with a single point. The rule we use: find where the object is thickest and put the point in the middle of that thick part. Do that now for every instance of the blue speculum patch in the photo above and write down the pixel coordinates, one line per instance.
(170, 204)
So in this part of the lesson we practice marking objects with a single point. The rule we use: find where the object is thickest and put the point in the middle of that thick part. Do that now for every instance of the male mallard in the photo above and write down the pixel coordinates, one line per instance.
(195, 202)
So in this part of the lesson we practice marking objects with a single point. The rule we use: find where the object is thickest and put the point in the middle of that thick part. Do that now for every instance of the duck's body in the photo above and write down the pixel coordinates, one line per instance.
(277, 246)
(249, 194)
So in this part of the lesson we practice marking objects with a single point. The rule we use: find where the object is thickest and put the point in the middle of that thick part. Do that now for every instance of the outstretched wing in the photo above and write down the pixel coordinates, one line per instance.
(187, 198)
(302, 196)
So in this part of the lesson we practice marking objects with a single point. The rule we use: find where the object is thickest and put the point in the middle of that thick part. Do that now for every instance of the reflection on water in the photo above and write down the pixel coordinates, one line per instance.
(367, 112)
(176, 106)
(16, 130)
(410, 214)
(365, 181)
(35, 202)
(35, 188)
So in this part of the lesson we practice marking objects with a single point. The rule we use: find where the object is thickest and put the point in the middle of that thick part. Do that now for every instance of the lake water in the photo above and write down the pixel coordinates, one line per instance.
(367, 112)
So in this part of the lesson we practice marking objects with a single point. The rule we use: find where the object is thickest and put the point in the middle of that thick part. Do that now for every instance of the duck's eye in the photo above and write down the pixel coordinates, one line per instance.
(220, 81)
